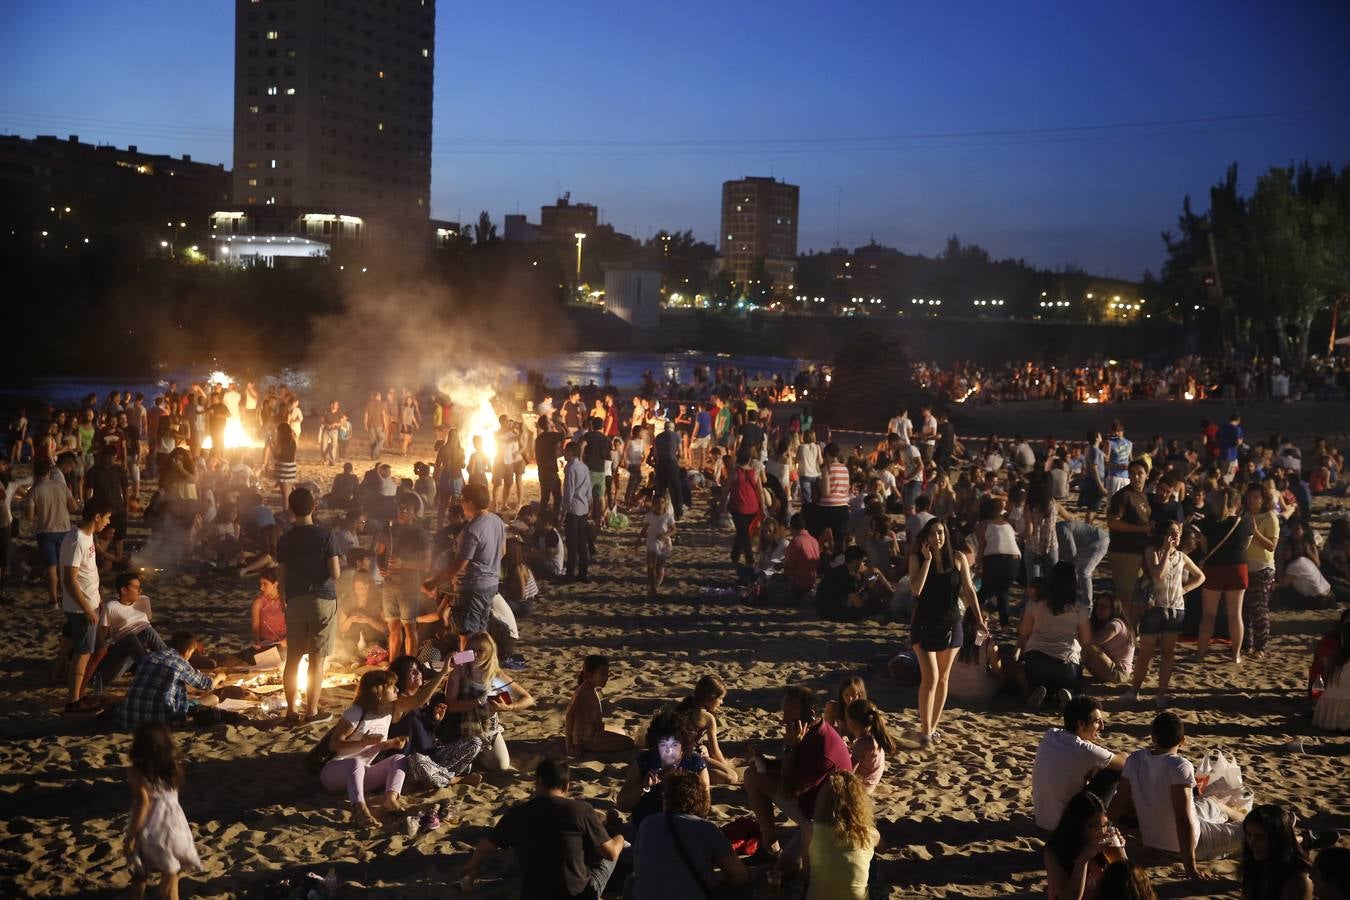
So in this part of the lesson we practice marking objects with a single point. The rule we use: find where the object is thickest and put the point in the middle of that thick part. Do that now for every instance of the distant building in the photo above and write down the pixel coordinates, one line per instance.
(758, 239)
(84, 189)
(561, 222)
(518, 230)
(333, 112)
(634, 295)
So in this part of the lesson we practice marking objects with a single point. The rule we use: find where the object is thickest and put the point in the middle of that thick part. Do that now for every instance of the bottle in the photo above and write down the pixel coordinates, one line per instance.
(1318, 686)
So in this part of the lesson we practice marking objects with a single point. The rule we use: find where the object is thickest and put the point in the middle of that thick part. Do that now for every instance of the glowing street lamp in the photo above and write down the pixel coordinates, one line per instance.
(580, 236)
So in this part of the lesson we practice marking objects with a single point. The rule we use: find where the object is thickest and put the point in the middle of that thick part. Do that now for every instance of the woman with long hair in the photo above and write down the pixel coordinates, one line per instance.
(1226, 537)
(702, 706)
(671, 747)
(1174, 575)
(1274, 864)
(283, 461)
(482, 692)
(841, 840)
(745, 503)
(1332, 710)
(1110, 656)
(978, 672)
(1075, 852)
(1053, 632)
(998, 555)
(832, 503)
(1264, 524)
(1125, 880)
(939, 578)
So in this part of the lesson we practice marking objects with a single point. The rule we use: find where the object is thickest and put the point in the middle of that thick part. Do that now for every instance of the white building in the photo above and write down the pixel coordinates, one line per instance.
(634, 295)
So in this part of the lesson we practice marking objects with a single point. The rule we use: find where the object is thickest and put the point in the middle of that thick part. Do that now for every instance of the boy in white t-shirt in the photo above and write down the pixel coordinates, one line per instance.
(1070, 760)
(127, 633)
(80, 599)
(1158, 784)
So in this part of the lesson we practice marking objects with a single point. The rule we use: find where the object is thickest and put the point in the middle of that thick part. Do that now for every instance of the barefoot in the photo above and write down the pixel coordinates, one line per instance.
(471, 780)
(361, 817)
(394, 803)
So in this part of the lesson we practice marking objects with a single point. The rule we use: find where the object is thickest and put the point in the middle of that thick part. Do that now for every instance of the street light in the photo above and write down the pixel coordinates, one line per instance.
(580, 236)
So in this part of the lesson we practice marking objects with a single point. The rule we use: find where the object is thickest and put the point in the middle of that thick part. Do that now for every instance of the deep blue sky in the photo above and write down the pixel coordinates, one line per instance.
(159, 74)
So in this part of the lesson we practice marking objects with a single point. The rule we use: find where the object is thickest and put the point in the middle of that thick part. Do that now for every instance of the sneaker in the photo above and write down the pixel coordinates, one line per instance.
(1062, 697)
(1160, 702)
(430, 820)
(1129, 698)
(1036, 699)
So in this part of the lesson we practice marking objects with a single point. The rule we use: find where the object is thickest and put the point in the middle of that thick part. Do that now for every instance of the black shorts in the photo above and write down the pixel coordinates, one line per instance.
(119, 525)
(936, 637)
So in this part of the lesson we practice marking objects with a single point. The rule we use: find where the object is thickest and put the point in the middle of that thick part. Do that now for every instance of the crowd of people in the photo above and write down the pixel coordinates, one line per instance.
(987, 557)
(1109, 381)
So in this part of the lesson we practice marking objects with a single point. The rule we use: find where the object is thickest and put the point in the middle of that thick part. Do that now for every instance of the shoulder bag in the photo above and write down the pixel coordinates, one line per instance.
(1237, 520)
(322, 753)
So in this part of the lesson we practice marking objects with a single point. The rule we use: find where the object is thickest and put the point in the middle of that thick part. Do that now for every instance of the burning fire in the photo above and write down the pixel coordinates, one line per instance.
(235, 436)
(1188, 395)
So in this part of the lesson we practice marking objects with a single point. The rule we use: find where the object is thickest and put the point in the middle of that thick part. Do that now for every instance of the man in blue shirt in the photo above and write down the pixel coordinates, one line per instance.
(1230, 440)
(477, 565)
(159, 691)
(703, 432)
(1119, 450)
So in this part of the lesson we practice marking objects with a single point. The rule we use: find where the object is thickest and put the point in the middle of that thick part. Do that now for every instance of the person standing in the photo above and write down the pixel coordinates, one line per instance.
(1128, 519)
(48, 506)
(477, 564)
(666, 460)
(576, 500)
(80, 599)
(547, 450)
(309, 558)
(1119, 451)
(375, 421)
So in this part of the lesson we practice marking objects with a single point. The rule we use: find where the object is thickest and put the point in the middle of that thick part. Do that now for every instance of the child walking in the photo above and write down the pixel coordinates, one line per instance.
(158, 836)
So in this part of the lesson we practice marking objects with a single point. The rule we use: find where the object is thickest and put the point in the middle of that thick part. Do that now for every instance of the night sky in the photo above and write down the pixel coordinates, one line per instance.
(645, 108)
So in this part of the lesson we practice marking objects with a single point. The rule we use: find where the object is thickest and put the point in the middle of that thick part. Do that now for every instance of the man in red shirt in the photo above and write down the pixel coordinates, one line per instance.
(802, 561)
(812, 751)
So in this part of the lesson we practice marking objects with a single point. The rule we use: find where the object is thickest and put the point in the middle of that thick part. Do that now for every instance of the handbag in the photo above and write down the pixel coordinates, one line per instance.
(322, 753)
(721, 892)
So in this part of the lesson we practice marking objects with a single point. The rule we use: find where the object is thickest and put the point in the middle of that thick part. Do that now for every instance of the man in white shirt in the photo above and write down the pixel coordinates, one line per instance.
(1158, 785)
(1301, 576)
(1023, 456)
(80, 599)
(928, 433)
(126, 631)
(1069, 761)
(901, 425)
(576, 505)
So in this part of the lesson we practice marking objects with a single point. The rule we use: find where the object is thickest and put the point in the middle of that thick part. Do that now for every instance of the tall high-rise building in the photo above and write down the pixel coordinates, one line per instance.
(333, 111)
(759, 231)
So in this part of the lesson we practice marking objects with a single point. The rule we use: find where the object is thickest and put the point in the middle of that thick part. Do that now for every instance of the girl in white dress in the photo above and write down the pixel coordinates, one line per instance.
(158, 836)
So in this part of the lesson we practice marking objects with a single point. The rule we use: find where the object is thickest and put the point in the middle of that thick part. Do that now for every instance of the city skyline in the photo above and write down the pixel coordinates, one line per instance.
(923, 123)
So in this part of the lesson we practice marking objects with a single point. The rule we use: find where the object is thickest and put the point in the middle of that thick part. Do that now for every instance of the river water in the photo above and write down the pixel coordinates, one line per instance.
(627, 370)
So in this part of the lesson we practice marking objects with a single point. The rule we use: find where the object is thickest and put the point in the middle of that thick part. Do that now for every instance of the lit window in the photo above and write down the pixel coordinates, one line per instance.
(253, 108)
(274, 164)
(273, 35)
(290, 92)
(272, 90)
(253, 182)
(425, 53)
(381, 74)
(380, 126)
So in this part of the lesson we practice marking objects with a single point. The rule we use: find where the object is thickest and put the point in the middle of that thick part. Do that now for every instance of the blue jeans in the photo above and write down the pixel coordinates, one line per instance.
(122, 655)
(1086, 546)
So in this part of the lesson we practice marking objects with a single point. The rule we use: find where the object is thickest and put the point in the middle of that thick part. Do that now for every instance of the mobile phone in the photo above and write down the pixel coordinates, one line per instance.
(463, 658)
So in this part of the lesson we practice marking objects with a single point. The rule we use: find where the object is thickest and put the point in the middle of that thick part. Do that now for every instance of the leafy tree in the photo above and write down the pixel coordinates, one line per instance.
(484, 232)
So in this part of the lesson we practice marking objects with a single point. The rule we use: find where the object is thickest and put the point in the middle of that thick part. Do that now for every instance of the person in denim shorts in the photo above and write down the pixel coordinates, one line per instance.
(1174, 575)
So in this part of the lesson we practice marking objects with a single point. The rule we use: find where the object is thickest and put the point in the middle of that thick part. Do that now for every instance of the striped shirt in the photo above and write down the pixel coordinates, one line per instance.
(834, 487)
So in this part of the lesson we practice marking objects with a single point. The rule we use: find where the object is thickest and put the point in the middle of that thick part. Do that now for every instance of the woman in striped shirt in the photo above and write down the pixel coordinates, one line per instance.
(833, 503)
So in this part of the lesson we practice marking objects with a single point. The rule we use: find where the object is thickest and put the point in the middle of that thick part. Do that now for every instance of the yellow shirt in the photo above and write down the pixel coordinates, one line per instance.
(836, 873)
(1258, 557)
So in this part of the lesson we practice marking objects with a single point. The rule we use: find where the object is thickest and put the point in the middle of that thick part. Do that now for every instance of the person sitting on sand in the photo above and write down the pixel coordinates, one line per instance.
(869, 742)
(1332, 709)
(572, 850)
(1070, 760)
(1076, 851)
(1053, 631)
(159, 691)
(812, 751)
(362, 734)
(851, 590)
(1275, 865)
(702, 705)
(681, 854)
(127, 632)
(267, 615)
(1110, 656)
(584, 728)
(839, 845)
(361, 623)
(481, 692)
(1158, 787)
(851, 690)
(431, 762)
(981, 668)
(670, 747)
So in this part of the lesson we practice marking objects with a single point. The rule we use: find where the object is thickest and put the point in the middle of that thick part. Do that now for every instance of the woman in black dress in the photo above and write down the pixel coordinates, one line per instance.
(940, 578)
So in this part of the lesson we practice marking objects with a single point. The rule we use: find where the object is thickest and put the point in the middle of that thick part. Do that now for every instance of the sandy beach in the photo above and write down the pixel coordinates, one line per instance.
(956, 819)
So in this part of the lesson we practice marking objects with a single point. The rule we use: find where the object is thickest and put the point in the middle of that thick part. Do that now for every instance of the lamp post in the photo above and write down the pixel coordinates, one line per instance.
(580, 236)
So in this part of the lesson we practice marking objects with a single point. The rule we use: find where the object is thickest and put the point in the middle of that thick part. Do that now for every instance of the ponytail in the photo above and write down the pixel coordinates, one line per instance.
(874, 720)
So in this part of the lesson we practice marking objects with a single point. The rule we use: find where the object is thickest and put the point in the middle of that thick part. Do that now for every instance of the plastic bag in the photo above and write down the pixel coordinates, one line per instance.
(1221, 777)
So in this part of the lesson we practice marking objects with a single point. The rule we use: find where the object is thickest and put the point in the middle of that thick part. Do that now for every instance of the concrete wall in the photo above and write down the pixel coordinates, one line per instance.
(820, 337)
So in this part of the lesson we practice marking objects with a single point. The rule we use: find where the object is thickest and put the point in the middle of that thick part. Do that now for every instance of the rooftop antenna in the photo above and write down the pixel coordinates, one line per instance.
(838, 208)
